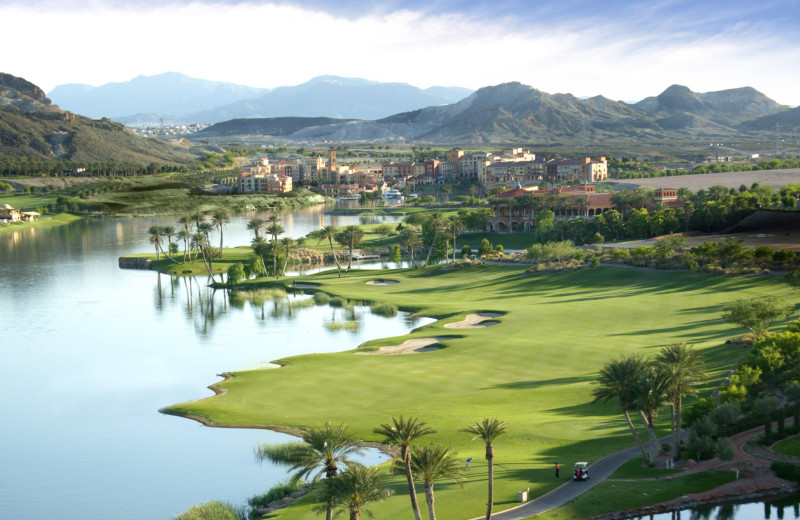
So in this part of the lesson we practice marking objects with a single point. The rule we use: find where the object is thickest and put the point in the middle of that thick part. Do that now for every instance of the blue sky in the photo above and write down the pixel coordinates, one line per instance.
(621, 49)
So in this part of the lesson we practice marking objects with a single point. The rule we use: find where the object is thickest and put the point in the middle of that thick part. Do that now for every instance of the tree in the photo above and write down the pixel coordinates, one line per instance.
(650, 394)
(435, 223)
(488, 430)
(286, 243)
(350, 237)
(322, 452)
(261, 248)
(329, 233)
(383, 230)
(756, 314)
(275, 230)
(617, 381)
(456, 224)
(793, 278)
(218, 219)
(356, 487)
(434, 462)
(397, 254)
(410, 240)
(401, 433)
(446, 191)
(255, 225)
(156, 239)
(685, 368)
(185, 235)
(485, 247)
(235, 273)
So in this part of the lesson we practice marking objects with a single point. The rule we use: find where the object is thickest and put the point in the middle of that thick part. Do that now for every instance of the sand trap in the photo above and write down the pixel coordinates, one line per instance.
(305, 285)
(474, 321)
(411, 346)
(381, 282)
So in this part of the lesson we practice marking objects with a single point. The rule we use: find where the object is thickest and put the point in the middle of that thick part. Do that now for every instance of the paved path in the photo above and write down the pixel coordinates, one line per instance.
(598, 471)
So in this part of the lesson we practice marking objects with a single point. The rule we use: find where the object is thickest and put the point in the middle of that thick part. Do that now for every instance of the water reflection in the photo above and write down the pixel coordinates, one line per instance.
(749, 511)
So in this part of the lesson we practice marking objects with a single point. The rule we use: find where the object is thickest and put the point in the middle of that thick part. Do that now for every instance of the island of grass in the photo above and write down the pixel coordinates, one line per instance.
(533, 370)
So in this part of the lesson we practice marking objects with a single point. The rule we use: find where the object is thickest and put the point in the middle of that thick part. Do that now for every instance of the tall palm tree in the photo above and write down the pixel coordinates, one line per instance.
(617, 381)
(275, 230)
(685, 368)
(410, 240)
(651, 394)
(329, 232)
(286, 243)
(255, 225)
(436, 221)
(185, 235)
(219, 218)
(197, 218)
(351, 237)
(488, 430)
(401, 433)
(322, 452)
(356, 487)
(156, 238)
(434, 462)
(169, 232)
(456, 224)
(261, 248)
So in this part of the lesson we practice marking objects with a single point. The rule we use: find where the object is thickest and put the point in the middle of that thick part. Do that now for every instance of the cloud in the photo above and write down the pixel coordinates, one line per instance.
(631, 51)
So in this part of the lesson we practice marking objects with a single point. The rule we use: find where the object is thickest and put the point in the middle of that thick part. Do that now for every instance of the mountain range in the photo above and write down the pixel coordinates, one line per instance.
(31, 126)
(179, 99)
(516, 113)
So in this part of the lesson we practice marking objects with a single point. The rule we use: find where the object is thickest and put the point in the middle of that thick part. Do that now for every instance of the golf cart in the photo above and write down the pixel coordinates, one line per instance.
(581, 471)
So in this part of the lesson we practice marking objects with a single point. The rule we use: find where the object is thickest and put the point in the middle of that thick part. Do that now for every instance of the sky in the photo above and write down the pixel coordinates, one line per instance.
(624, 50)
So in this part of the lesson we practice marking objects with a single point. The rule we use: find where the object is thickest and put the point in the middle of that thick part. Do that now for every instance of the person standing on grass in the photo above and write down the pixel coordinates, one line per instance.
(557, 468)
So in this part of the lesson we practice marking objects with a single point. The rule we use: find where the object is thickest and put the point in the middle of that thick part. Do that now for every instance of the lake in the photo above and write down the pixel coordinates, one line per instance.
(784, 508)
(91, 352)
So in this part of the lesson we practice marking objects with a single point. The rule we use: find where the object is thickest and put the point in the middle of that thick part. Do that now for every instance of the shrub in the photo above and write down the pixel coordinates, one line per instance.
(276, 492)
(214, 510)
(321, 298)
(338, 301)
(786, 470)
(387, 310)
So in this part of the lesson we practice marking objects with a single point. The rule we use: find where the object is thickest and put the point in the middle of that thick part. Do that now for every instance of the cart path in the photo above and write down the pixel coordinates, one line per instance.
(603, 468)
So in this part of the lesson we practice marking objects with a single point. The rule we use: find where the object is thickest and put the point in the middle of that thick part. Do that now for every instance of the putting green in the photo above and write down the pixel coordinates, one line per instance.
(534, 369)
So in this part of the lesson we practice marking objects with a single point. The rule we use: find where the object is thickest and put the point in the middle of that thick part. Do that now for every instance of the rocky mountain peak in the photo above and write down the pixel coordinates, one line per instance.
(24, 87)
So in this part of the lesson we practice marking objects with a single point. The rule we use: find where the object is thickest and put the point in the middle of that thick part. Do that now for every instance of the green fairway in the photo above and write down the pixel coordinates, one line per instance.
(790, 446)
(43, 222)
(533, 370)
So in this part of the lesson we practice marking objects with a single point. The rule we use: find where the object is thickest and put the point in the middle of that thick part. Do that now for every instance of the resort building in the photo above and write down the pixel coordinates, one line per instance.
(268, 183)
(9, 214)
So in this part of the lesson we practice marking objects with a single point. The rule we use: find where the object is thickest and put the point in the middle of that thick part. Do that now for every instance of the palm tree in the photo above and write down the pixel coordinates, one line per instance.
(261, 248)
(351, 237)
(446, 190)
(185, 235)
(488, 430)
(255, 225)
(322, 452)
(410, 240)
(685, 368)
(275, 230)
(219, 218)
(356, 487)
(286, 243)
(169, 232)
(156, 239)
(456, 224)
(402, 432)
(435, 462)
(651, 394)
(617, 381)
(197, 218)
(436, 220)
(329, 232)
(185, 221)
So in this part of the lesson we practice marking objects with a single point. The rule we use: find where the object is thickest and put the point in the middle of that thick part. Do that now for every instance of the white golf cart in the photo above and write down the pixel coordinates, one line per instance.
(581, 471)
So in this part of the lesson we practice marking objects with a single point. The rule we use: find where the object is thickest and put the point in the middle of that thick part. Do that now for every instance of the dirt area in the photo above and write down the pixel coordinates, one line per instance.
(776, 238)
(696, 182)
(411, 346)
(474, 321)
(55, 182)
(381, 282)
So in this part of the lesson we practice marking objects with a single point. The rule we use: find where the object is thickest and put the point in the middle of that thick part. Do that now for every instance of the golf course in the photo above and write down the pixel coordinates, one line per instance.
(531, 363)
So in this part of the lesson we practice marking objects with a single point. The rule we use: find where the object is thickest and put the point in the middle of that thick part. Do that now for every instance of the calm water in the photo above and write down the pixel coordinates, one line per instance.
(90, 352)
(787, 508)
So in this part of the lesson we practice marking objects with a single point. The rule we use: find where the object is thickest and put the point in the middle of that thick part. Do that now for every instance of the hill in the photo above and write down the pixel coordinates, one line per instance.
(513, 113)
(33, 128)
(150, 97)
(274, 126)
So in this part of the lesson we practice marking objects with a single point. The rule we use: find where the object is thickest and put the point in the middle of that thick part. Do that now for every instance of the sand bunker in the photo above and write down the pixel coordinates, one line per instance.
(302, 285)
(411, 346)
(474, 321)
(381, 282)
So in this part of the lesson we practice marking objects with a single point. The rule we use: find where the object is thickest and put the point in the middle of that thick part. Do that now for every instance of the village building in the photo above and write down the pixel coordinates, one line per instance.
(268, 183)
(10, 214)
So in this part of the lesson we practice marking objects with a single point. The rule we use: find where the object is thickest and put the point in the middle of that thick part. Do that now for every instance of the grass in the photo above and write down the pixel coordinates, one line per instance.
(533, 370)
(619, 496)
(27, 202)
(790, 446)
(43, 222)
(633, 469)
